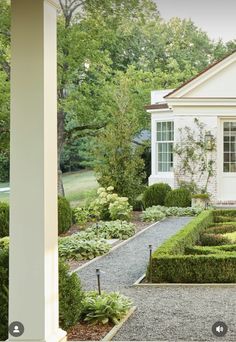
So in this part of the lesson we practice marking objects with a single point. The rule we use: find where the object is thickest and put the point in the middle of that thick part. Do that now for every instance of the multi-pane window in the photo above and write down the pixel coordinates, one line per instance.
(165, 139)
(229, 147)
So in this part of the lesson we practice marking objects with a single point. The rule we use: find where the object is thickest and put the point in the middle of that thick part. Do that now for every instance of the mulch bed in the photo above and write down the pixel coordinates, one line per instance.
(88, 332)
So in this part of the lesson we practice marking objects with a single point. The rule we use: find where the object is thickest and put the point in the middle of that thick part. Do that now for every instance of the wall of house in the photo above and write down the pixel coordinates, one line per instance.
(210, 121)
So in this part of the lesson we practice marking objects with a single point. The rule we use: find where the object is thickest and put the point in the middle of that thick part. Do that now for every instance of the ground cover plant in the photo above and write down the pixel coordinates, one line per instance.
(156, 213)
(82, 246)
(113, 229)
(198, 252)
(104, 308)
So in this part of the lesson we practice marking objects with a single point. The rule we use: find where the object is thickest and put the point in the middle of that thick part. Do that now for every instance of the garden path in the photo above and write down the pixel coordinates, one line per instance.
(166, 313)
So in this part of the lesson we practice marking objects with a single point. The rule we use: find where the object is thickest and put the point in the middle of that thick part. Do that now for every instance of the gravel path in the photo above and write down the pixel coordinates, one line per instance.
(178, 313)
(123, 266)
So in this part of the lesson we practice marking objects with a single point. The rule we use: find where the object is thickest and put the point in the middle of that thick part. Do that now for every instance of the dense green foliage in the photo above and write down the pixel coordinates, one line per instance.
(155, 194)
(70, 293)
(180, 260)
(64, 215)
(4, 269)
(4, 219)
(178, 198)
(82, 246)
(113, 230)
(70, 297)
(109, 206)
(105, 308)
(99, 45)
(154, 213)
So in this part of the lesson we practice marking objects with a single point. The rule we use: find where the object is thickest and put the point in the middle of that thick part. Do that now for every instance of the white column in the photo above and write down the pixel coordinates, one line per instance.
(33, 296)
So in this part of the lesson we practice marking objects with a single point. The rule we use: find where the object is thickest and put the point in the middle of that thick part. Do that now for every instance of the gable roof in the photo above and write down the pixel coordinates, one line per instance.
(190, 84)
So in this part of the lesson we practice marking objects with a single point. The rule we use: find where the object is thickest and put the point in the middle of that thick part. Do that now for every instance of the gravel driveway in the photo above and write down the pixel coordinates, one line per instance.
(166, 313)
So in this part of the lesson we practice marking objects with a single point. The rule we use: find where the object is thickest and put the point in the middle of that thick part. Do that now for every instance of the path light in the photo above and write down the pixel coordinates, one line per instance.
(150, 263)
(98, 273)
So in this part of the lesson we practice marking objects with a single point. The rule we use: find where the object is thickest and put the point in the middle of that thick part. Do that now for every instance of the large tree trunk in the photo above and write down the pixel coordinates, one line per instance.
(60, 143)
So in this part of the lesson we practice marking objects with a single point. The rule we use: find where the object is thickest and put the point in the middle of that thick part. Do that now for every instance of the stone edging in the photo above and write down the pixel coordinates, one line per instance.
(122, 243)
(117, 327)
(139, 284)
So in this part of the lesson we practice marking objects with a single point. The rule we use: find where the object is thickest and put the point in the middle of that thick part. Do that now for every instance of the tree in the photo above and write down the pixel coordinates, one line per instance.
(118, 161)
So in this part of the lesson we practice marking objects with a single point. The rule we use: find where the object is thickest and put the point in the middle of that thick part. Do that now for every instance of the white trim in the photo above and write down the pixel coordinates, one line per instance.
(202, 78)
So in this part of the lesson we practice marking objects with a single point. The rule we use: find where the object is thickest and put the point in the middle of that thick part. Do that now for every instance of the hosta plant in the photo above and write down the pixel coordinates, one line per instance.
(81, 248)
(104, 308)
(152, 214)
(114, 229)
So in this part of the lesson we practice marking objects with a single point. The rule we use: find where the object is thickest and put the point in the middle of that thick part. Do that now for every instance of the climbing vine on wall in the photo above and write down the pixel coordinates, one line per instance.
(195, 150)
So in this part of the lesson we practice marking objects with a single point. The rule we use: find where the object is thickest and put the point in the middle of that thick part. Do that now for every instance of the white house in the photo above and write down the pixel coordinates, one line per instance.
(210, 97)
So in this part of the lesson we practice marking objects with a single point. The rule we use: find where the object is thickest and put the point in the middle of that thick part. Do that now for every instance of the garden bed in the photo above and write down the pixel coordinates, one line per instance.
(88, 332)
(185, 259)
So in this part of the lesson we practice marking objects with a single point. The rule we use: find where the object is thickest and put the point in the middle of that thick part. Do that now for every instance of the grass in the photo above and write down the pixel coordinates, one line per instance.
(80, 187)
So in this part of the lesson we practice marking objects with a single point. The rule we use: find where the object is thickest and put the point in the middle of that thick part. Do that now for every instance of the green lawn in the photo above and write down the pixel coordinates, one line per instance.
(79, 187)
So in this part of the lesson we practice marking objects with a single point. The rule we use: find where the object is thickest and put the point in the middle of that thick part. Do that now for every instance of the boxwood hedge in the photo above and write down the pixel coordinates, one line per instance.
(178, 260)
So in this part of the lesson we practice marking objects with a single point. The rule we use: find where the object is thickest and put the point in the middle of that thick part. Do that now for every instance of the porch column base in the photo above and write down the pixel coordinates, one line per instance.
(60, 336)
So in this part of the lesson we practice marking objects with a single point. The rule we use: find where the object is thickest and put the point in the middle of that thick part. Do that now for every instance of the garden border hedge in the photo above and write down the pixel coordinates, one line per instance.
(170, 264)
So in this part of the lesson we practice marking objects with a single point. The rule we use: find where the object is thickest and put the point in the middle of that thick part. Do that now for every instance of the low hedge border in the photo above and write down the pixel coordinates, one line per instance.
(171, 262)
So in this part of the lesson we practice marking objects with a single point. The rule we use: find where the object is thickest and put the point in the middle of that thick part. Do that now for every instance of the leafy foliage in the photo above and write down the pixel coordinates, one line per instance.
(109, 206)
(70, 293)
(153, 213)
(64, 215)
(70, 297)
(195, 156)
(82, 246)
(114, 230)
(178, 198)
(105, 308)
(155, 194)
(118, 161)
(4, 219)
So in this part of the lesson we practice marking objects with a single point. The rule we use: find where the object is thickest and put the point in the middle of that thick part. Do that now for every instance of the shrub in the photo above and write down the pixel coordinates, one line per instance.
(4, 219)
(152, 214)
(155, 194)
(70, 297)
(4, 269)
(82, 247)
(221, 229)
(105, 308)
(64, 215)
(114, 230)
(222, 219)
(178, 198)
(110, 206)
(213, 239)
(70, 293)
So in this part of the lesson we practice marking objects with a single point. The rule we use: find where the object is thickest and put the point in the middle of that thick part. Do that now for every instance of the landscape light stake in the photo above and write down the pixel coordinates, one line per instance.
(150, 264)
(98, 273)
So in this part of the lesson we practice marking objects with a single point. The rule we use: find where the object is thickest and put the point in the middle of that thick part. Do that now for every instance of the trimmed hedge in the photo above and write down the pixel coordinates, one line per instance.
(178, 198)
(172, 262)
(155, 194)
